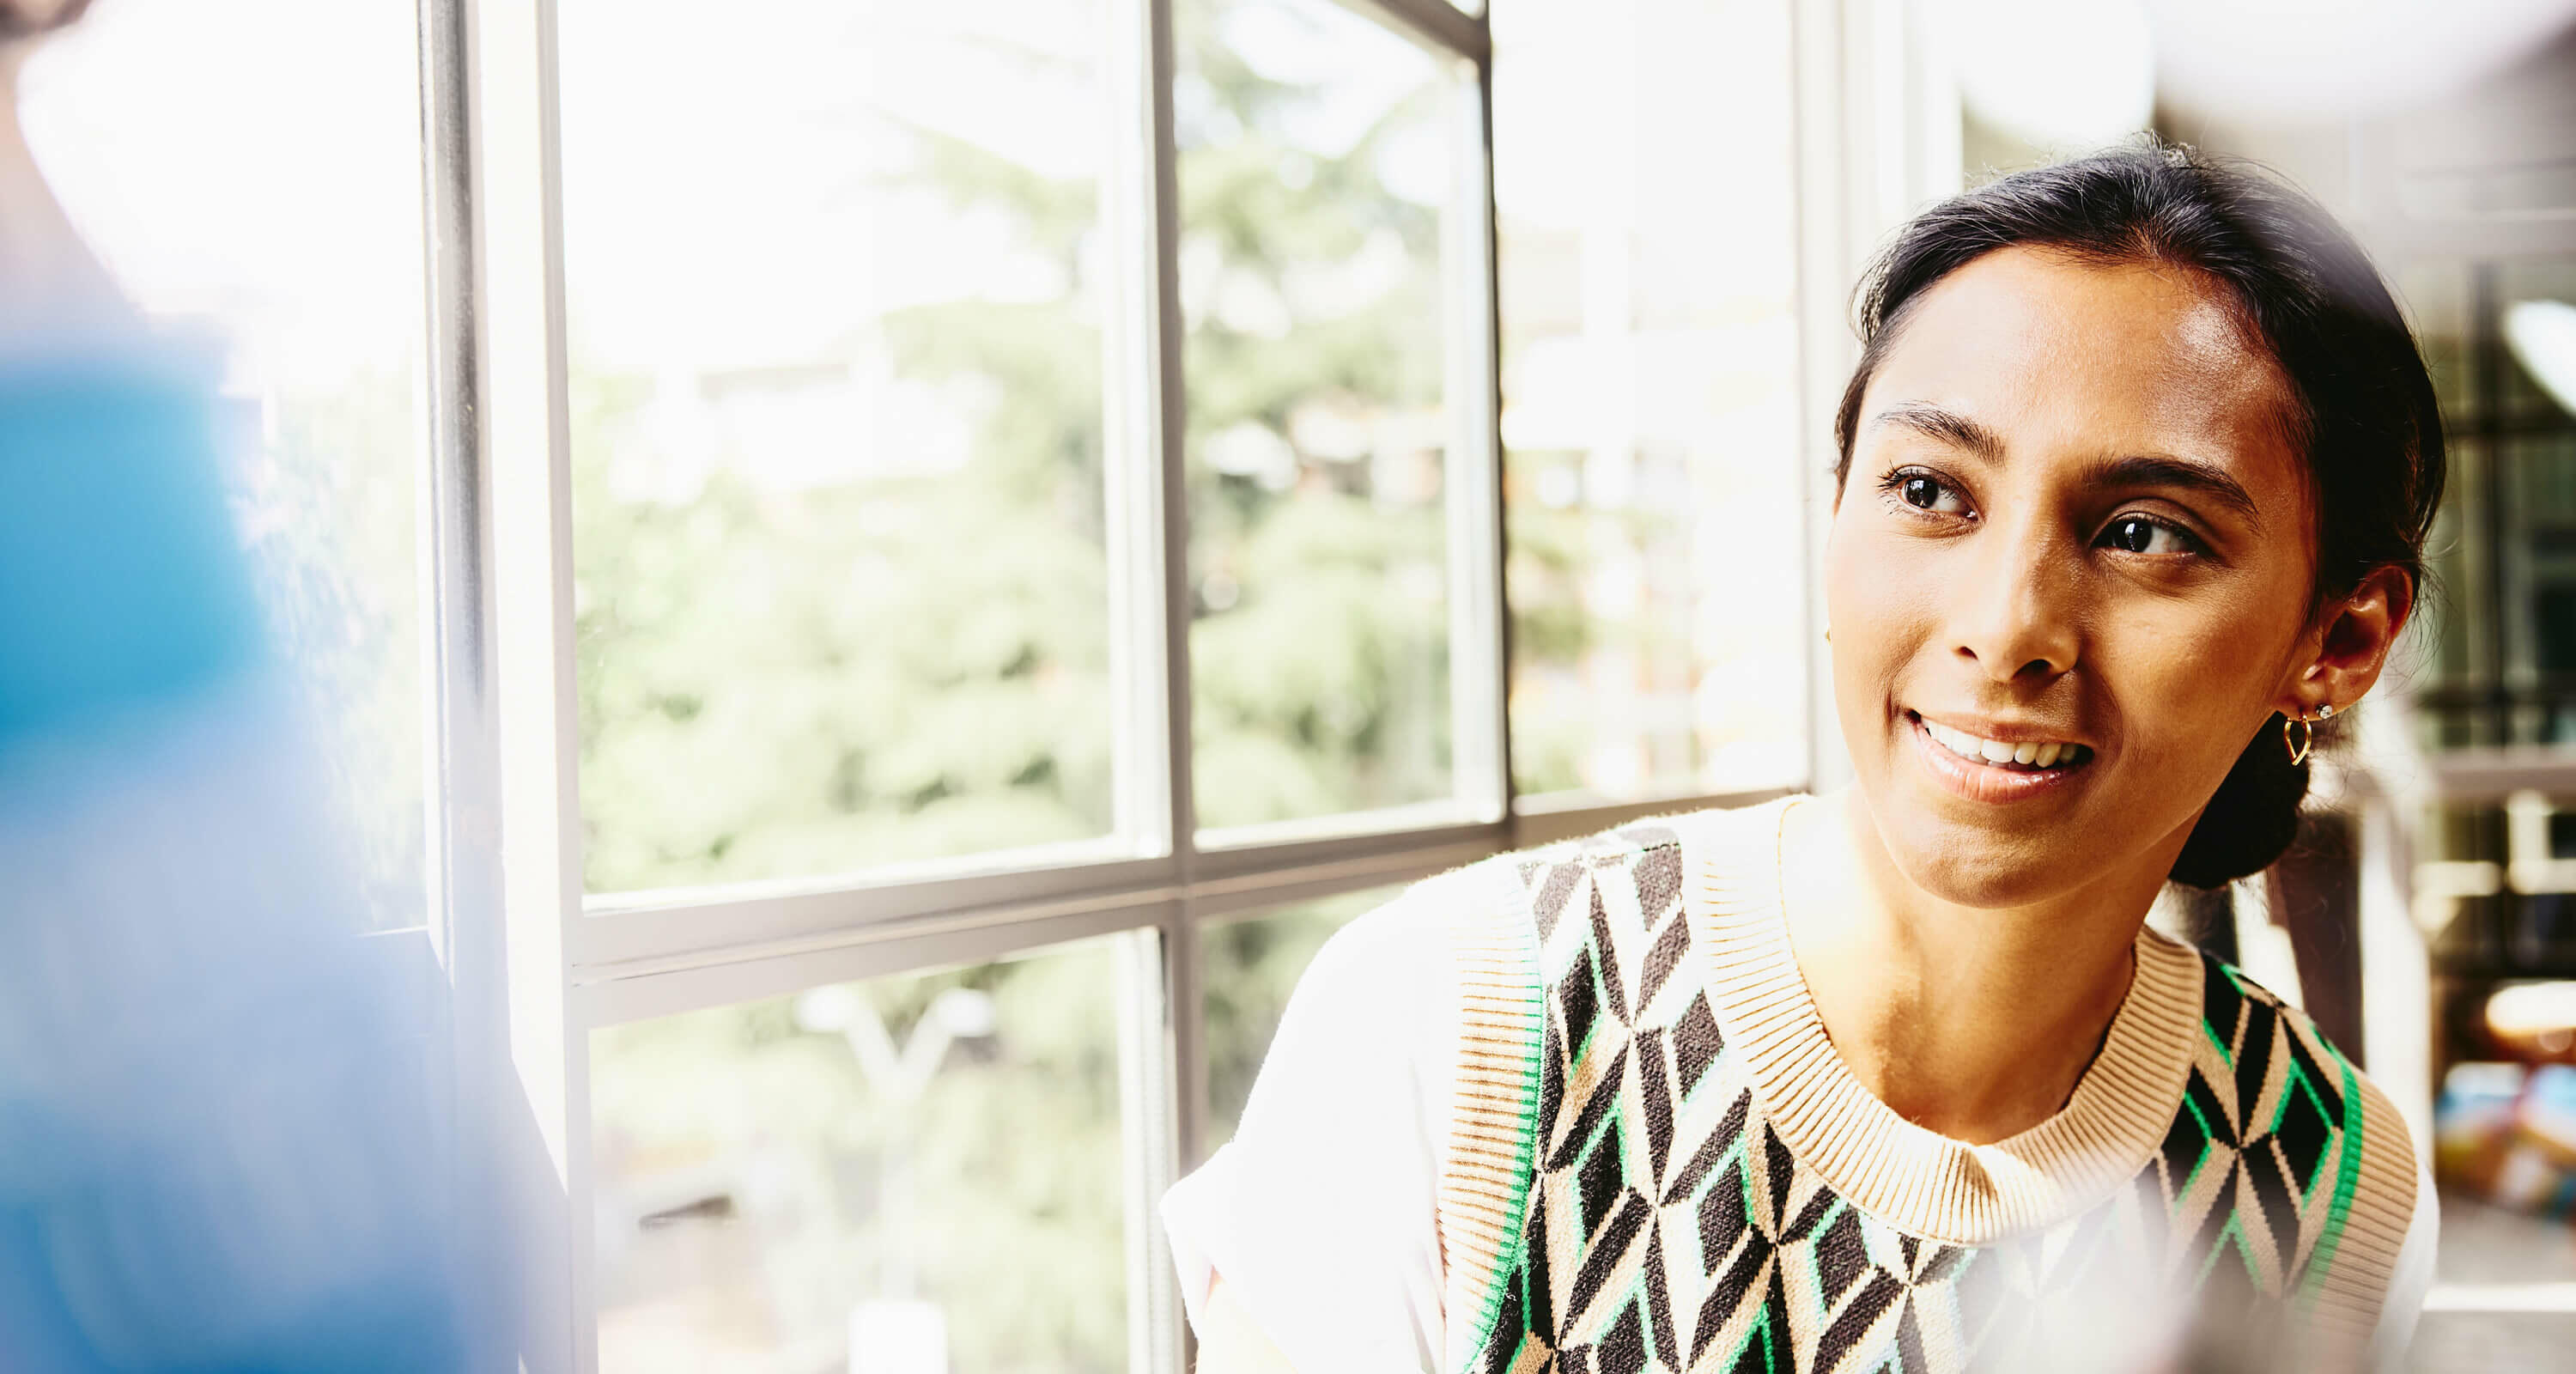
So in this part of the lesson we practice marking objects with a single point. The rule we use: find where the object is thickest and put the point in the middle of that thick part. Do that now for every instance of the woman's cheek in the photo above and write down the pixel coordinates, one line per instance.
(2184, 681)
(1904, 595)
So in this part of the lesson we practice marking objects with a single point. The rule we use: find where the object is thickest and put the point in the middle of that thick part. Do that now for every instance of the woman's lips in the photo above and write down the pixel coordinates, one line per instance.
(1977, 780)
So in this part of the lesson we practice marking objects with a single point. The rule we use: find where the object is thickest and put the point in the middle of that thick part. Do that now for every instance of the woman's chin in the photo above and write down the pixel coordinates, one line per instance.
(1986, 858)
(1984, 871)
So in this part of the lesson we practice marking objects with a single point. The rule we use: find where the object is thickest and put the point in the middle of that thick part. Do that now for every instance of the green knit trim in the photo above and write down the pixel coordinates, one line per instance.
(1508, 1262)
(2347, 1180)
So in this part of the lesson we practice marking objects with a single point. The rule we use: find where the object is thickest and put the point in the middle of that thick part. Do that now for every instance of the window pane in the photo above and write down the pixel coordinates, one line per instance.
(2502, 637)
(861, 1176)
(1248, 967)
(183, 141)
(2548, 279)
(2439, 296)
(1316, 163)
(1650, 398)
(834, 281)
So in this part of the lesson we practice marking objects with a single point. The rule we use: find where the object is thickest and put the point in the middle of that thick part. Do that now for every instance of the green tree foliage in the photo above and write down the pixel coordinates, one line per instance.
(1008, 1168)
(912, 661)
(1319, 656)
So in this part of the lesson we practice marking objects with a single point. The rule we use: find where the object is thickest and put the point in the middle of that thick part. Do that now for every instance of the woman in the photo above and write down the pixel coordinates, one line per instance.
(2135, 473)
(219, 1140)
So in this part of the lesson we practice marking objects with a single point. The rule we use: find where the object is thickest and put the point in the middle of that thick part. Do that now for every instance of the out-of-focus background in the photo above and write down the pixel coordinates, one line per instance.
(881, 573)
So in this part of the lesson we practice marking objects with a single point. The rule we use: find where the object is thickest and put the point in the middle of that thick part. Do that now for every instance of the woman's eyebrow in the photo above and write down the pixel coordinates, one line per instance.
(1948, 426)
(2183, 474)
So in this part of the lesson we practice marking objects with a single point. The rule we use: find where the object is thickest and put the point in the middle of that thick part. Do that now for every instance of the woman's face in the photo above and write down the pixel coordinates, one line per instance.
(2073, 533)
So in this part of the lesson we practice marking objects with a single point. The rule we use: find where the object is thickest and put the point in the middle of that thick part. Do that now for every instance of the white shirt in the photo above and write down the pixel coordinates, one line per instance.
(1322, 1215)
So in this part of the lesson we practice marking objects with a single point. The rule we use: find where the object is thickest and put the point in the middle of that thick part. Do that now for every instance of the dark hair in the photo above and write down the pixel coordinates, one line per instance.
(17, 23)
(2361, 407)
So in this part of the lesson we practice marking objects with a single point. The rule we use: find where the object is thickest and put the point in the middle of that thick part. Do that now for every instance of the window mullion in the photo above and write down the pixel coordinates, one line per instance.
(1160, 314)
(1822, 124)
(1163, 1064)
(461, 746)
(1151, 752)
(1437, 23)
(526, 1053)
(1479, 660)
(1151, 1089)
(462, 799)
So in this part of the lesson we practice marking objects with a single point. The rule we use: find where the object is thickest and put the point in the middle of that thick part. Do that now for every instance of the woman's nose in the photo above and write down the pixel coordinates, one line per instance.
(2015, 615)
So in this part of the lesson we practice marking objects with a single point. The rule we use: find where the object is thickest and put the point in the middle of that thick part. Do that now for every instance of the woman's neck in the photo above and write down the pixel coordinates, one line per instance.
(1973, 1023)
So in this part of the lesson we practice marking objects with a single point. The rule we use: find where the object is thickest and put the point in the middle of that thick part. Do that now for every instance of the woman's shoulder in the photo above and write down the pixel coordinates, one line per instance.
(1657, 850)
(1403, 958)
(2264, 1071)
(1752, 823)
(2274, 1056)
(2240, 1020)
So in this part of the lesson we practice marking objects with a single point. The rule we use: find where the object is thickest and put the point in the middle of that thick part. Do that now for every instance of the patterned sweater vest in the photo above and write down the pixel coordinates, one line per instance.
(1657, 1162)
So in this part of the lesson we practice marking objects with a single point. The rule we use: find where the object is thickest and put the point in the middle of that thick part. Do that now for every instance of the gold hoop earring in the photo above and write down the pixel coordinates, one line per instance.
(2298, 744)
(2297, 736)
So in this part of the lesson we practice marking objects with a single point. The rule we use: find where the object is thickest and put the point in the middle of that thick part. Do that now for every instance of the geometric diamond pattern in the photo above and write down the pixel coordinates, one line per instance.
(1667, 1228)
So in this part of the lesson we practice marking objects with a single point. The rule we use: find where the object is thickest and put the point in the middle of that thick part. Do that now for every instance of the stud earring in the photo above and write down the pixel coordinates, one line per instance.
(2297, 735)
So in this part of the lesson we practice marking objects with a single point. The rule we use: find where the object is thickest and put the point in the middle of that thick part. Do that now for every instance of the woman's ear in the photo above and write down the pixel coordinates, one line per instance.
(2354, 643)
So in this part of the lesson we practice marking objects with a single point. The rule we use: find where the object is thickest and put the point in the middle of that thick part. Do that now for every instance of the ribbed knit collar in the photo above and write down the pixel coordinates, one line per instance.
(1911, 1178)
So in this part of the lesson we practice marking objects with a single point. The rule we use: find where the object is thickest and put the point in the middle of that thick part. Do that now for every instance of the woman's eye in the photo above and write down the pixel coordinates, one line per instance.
(1927, 493)
(2138, 534)
(1924, 491)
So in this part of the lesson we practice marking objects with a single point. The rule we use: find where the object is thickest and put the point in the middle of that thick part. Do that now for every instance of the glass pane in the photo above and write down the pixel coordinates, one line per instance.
(2540, 571)
(2552, 279)
(834, 285)
(918, 1173)
(2455, 555)
(1247, 969)
(183, 141)
(2439, 296)
(1316, 163)
(1650, 398)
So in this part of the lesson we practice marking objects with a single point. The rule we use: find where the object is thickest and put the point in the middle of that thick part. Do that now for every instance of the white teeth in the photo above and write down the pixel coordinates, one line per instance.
(1970, 746)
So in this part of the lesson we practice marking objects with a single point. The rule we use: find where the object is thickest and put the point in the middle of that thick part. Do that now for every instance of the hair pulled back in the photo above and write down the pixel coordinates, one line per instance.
(19, 20)
(2361, 408)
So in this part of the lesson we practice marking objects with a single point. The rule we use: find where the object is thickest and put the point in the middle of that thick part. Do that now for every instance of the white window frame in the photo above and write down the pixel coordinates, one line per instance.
(536, 965)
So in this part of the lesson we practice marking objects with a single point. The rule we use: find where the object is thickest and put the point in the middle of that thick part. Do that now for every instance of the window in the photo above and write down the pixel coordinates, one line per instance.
(1650, 392)
(841, 591)
(913, 562)
(916, 1172)
(2501, 631)
(1320, 173)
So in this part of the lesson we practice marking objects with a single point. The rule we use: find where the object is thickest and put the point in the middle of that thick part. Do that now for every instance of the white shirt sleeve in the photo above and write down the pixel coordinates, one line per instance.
(2413, 1276)
(1322, 1213)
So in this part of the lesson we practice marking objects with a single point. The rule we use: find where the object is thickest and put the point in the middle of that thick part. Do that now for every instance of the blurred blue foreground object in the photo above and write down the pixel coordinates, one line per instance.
(220, 1148)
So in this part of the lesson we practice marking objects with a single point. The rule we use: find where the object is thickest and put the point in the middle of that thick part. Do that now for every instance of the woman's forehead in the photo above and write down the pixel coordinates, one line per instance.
(2057, 355)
